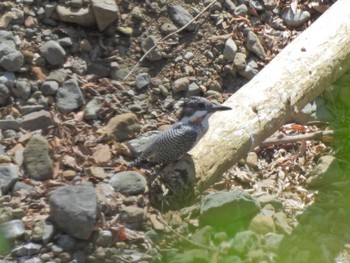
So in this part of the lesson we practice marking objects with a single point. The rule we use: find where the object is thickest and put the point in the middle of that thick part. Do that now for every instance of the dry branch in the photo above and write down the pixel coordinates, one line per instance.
(296, 76)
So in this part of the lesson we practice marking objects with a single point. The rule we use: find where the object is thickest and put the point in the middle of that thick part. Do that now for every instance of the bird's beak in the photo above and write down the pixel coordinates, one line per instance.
(218, 107)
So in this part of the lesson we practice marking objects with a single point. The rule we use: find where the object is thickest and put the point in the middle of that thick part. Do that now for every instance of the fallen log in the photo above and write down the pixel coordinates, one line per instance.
(296, 76)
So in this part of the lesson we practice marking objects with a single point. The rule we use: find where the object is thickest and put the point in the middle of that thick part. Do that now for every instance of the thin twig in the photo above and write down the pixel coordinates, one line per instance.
(285, 139)
(165, 38)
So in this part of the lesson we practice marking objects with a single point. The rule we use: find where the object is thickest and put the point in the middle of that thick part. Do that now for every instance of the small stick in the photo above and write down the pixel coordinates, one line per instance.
(166, 37)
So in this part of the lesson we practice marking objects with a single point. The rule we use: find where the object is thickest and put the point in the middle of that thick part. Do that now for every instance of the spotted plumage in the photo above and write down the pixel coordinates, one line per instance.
(180, 138)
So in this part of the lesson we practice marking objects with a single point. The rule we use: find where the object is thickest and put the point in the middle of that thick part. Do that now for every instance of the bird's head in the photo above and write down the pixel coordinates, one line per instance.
(194, 109)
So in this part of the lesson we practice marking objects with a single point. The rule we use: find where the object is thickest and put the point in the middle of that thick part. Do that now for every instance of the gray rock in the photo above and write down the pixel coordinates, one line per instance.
(139, 144)
(123, 126)
(250, 70)
(254, 45)
(181, 84)
(105, 12)
(8, 177)
(65, 42)
(270, 4)
(181, 17)
(128, 183)
(53, 52)
(147, 44)
(9, 134)
(168, 28)
(4, 94)
(10, 58)
(241, 10)
(20, 187)
(193, 90)
(224, 208)
(297, 19)
(13, 229)
(79, 256)
(230, 49)
(28, 249)
(282, 224)
(74, 210)
(262, 224)
(256, 5)
(132, 214)
(58, 75)
(104, 238)
(8, 79)
(49, 87)
(38, 120)
(83, 16)
(37, 160)
(313, 111)
(9, 124)
(230, 6)
(273, 241)
(22, 89)
(245, 241)
(79, 66)
(119, 73)
(66, 242)
(69, 97)
(92, 109)
(142, 80)
(48, 232)
(240, 61)
(26, 109)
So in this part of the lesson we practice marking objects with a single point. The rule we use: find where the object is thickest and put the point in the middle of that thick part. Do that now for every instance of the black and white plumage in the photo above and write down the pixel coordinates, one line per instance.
(180, 138)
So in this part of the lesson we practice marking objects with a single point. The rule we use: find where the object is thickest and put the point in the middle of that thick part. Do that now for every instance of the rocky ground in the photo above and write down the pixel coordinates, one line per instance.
(75, 88)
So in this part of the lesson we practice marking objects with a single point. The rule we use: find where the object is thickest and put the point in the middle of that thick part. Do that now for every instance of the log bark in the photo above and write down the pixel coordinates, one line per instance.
(296, 76)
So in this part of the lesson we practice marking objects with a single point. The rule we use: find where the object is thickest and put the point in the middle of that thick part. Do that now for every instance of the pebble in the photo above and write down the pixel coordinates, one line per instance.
(4, 94)
(181, 17)
(123, 126)
(28, 249)
(8, 177)
(22, 89)
(104, 238)
(147, 44)
(273, 241)
(142, 81)
(193, 90)
(8, 79)
(105, 12)
(230, 49)
(240, 61)
(181, 84)
(49, 87)
(53, 52)
(79, 66)
(128, 183)
(188, 56)
(250, 70)
(297, 19)
(102, 154)
(256, 5)
(241, 10)
(254, 45)
(83, 16)
(167, 28)
(262, 224)
(69, 97)
(230, 5)
(10, 58)
(92, 109)
(132, 214)
(58, 75)
(38, 120)
(13, 229)
(245, 241)
(216, 205)
(282, 224)
(37, 160)
(23, 187)
(74, 210)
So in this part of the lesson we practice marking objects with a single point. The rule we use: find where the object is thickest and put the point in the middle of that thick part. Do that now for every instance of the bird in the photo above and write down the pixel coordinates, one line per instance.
(173, 143)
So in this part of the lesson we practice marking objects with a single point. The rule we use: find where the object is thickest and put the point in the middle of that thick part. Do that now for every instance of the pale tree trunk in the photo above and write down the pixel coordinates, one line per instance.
(296, 76)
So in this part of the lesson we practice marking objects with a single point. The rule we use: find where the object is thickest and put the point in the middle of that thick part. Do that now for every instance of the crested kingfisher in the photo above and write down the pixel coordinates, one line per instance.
(181, 137)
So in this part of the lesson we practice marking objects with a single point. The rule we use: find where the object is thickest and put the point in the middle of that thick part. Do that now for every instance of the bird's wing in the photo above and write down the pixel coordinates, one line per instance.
(171, 144)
